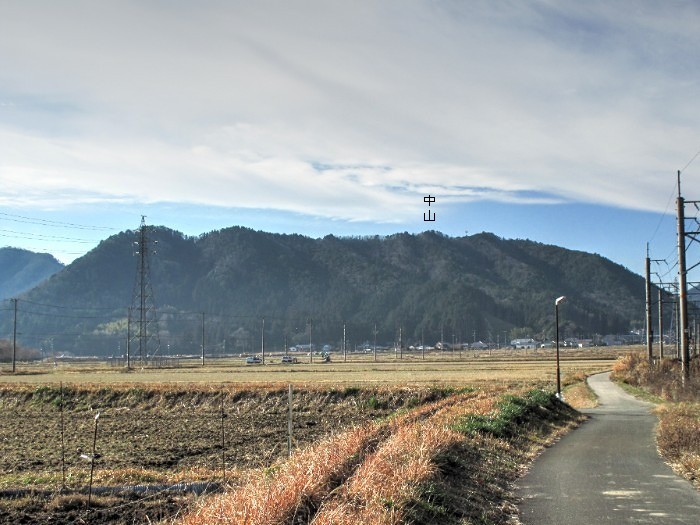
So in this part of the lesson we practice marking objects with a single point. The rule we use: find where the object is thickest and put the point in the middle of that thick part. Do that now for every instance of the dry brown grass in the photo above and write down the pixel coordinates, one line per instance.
(377, 492)
(274, 495)
(292, 491)
(503, 365)
(678, 438)
(580, 396)
(662, 378)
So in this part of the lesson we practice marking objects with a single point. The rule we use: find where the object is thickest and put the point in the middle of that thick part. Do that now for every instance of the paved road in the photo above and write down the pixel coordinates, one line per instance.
(607, 471)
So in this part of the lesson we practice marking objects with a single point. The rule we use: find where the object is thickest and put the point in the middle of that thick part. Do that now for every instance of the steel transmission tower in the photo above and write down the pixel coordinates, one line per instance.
(143, 305)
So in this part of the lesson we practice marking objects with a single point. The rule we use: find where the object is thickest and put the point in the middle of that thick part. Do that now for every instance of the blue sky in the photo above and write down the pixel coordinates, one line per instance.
(563, 122)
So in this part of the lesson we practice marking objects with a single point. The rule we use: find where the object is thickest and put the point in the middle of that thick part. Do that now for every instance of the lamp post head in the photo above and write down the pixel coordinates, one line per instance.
(560, 300)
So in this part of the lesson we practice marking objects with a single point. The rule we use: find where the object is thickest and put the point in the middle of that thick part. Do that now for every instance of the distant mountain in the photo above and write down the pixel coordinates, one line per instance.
(429, 285)
(22, 270)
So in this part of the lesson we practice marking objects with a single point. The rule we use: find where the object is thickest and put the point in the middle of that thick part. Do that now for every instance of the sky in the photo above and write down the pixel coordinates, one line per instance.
(563, 122)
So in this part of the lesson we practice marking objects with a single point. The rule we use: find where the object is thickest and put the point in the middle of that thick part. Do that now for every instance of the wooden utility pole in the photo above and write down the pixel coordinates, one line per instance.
(262, 340)
(14, 337)
(375, 341)
(128, 339)
(650, 330)
(311, 352)
(682, 287)
(202, 338)
(661, 324)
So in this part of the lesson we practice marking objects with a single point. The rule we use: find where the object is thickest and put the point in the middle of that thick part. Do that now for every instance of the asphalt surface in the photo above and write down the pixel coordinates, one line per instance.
(607, 471)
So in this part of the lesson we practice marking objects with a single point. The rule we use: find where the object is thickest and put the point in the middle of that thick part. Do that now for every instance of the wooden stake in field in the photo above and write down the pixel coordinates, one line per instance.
(92, 459)
(289, 423)
(223, 440)
(63, 444)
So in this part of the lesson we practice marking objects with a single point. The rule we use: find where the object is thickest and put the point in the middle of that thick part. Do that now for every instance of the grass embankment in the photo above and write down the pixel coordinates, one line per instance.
(678, 431)
(448, 462)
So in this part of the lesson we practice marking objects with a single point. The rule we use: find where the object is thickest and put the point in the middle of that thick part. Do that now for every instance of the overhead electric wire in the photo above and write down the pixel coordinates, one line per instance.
(691, 161)
(53, 224)
(665, 213)
(62, 316)
(72, 307)
(42, 237)
(670, 199)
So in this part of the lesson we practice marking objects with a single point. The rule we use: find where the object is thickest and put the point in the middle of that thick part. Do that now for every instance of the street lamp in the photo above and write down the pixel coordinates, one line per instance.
(558, 301)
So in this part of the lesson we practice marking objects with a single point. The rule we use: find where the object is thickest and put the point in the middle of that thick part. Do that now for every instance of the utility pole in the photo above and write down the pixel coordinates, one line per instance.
(311, 351)
(14, 337)
(375, 341)
(442, 337)
(661, 324)
(128, 339)
(682, 287)
(202, 338)
(345, 345)
(262, 340)
(676, 331)
(650, 330)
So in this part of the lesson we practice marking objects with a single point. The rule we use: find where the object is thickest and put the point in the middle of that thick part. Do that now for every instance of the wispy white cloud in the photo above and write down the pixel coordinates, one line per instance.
(348, 110)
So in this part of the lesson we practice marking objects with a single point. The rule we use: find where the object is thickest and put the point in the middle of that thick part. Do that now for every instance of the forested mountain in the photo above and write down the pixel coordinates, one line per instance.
(432, 286)
(22, 270)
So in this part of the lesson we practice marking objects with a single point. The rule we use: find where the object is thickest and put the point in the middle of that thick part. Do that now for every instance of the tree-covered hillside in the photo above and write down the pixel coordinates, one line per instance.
(428, 285)
(22, 270)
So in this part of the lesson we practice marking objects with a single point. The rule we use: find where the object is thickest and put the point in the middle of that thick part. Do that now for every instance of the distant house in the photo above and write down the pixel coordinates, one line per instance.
(523, 344)
(303, 348)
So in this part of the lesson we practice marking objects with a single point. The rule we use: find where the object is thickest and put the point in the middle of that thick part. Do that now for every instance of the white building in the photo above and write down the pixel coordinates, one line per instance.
(523, 344)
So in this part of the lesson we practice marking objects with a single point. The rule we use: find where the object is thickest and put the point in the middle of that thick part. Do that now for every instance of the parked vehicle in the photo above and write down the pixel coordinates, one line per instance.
(289, 359)
(253, 360)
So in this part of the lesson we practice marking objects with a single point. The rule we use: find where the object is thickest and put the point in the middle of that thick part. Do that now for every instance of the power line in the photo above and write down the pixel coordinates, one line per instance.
(64, 316)
(43, 237)
(665, 213)
(53, 224)
(673, 193)
(691, 161)
(121, 307)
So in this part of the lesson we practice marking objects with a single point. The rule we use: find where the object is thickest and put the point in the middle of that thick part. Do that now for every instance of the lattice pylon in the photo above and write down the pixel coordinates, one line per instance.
(143, 309)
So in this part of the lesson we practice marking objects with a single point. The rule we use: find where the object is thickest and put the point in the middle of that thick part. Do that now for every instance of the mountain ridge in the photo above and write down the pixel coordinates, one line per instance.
(429, 284)
(22, 270)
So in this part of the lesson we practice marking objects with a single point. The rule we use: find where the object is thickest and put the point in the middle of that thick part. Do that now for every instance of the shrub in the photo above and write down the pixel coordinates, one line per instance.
(662, 377)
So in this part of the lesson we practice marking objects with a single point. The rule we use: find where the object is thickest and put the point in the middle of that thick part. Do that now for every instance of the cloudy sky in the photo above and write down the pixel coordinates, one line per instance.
(564, 122)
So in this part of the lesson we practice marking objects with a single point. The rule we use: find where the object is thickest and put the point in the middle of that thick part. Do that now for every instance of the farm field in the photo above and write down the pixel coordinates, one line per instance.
(443, 369)
(214, 424)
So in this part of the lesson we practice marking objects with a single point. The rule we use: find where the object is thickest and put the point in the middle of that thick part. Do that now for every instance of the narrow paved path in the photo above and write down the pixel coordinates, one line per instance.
(607, 471)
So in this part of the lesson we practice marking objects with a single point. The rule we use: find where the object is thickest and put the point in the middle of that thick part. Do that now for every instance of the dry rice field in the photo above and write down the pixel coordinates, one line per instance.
(227, 423)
